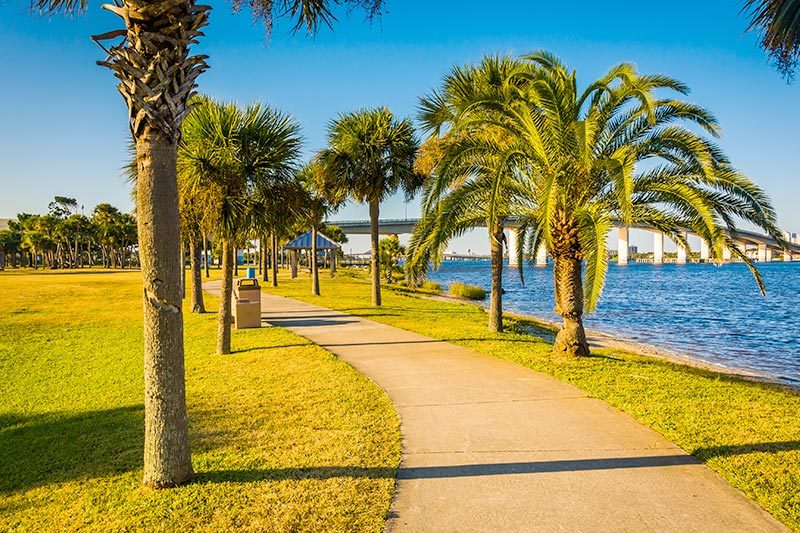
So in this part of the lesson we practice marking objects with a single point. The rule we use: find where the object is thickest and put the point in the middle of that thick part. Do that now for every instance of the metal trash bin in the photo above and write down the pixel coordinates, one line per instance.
(247, 304)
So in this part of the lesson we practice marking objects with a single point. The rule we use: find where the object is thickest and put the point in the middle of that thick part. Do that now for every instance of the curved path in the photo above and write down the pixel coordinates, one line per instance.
(489, 445)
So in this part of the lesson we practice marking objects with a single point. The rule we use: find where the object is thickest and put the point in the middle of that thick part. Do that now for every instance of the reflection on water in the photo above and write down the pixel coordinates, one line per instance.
(710, 313)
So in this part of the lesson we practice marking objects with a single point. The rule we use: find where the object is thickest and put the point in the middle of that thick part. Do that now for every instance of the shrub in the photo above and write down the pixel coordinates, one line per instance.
(470, 292)
(431, 286)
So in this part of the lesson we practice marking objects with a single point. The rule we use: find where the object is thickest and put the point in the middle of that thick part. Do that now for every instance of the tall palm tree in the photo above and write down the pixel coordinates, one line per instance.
(778, 22)
(578, 159)
(194, 206)
(317, 203)
(234, 152)
(370, 156)
(151, 57)
(465, 189)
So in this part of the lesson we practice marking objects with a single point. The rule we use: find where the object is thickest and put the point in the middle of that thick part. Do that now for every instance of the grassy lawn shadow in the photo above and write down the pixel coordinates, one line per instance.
(741, 449)
(274, 347)
(50, 448)
(282, 474)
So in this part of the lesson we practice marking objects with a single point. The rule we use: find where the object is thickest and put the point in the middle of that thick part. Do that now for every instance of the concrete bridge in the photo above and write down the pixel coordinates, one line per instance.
(762, 248)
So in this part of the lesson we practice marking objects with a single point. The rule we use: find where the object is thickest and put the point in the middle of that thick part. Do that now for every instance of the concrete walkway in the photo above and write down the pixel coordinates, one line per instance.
(492, 446)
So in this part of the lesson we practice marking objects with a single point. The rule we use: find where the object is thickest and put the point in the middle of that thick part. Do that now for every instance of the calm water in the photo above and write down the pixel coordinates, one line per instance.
(714, 314)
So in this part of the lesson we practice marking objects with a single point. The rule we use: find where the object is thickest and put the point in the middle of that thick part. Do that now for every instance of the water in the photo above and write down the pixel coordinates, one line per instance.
(712, 314)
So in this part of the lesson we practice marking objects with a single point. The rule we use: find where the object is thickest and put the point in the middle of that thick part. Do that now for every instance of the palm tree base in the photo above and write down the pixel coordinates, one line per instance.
(571, 340)
(167, 483)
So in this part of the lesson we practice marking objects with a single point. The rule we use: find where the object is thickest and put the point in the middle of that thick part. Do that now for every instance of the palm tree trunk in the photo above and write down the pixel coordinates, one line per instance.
(205, 253)
(167, 460)
(274, 259)
(333, 263)
(260, 261)
(183, 271)
(571, 338)
(236, 261)
(224, 316)
(267, 249)
(496, 297)
(198, 306)
(374, 214)
(314, 265)
(293, 260)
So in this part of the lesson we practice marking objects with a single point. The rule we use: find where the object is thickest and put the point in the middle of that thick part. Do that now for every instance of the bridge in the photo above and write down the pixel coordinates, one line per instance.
(762, 248)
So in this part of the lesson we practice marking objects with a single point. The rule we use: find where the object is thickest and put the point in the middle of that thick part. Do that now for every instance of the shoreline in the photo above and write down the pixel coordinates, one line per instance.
(598, 339)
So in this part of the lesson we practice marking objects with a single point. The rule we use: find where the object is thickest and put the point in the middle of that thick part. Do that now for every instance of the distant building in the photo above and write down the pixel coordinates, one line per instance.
(4, 223)
(633, 250)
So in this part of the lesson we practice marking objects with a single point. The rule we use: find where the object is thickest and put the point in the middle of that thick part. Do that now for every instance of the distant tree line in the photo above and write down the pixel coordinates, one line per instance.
(65, 238)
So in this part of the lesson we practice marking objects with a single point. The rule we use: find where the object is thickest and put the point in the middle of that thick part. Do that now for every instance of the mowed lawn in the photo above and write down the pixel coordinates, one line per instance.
(747, 432)
(284, 436)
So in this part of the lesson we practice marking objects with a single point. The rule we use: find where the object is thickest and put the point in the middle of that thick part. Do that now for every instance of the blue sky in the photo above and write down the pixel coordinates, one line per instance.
(63, 127)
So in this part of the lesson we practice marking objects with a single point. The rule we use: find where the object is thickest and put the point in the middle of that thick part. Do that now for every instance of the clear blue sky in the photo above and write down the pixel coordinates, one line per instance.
(63, 127)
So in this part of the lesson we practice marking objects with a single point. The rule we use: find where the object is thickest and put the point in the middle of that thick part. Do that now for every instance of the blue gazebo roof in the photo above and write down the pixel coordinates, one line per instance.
(303, 242)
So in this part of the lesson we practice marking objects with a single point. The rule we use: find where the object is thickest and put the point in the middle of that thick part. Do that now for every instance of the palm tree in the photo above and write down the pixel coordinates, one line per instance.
(104, 217)
(10, 240)
(778, 22)
(578, 159)
(391, 252)
(275, 208)
(233, 152)
(465, 189)
(194, 205)
(370, 156)
(317, 203)
(151, 58)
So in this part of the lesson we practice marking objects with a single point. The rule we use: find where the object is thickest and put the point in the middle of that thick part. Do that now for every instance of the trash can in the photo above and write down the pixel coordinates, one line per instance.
(247, 304)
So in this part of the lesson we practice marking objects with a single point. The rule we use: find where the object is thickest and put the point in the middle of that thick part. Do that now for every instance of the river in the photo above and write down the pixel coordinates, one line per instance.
(708, 313)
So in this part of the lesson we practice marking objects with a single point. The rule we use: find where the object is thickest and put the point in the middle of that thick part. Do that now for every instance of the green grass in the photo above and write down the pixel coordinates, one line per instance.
(748, 432)
(285, 437)
(467, 292)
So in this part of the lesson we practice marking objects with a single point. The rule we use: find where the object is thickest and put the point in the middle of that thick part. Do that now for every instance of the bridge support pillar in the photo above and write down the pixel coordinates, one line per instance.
(512, 243)
(787, 256)
(705, 252)
(681, 252)
(768, 255)
(658, 248)
(762, 253)
(541, 256)
(742, 246)
(622, 247)
(727, 255)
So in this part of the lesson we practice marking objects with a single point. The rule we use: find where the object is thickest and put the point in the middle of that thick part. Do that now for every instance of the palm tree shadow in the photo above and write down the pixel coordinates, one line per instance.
(282, 474)
(445, 471)
(51, 448)
(741, 449)
(275, 347)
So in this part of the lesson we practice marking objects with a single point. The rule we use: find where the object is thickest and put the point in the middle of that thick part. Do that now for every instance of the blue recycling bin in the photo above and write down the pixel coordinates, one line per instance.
(251, 273)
